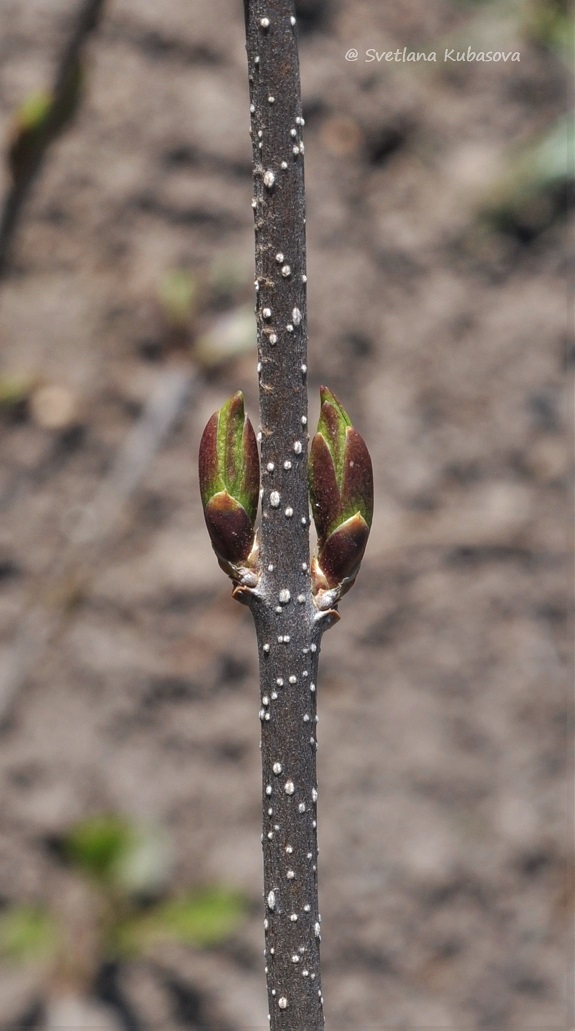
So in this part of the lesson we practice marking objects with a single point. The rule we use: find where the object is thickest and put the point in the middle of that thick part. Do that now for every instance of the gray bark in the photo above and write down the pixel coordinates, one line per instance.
(288, 625)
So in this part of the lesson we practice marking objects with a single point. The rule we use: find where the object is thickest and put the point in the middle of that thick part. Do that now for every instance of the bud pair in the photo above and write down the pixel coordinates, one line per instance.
(340, 485)
(229, 485)
(341, 492)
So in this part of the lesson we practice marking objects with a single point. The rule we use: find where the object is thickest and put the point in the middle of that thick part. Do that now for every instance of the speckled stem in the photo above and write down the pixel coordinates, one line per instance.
(288, 625)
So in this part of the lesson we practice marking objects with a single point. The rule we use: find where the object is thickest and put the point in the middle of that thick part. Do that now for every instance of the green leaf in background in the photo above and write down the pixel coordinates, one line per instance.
(27, 933)
(96, 845)
(120, 854)
(15, 390)
(549, 160)
(203, 919)
(34, 110)
(531, 190)
(178, 294)
(550, 22)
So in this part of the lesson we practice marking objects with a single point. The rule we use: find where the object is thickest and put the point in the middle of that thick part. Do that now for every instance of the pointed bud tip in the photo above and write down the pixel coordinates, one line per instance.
(340, 470)
(327, 397)
(228, 458)
(233, 408)
(326, 394)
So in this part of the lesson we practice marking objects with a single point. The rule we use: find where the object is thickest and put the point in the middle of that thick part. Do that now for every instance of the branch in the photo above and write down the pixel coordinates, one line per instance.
(292, 599)
(287, 629)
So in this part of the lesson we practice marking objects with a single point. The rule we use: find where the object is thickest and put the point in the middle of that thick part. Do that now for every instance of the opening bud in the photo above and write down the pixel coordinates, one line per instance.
(341, 493)
(229, 485)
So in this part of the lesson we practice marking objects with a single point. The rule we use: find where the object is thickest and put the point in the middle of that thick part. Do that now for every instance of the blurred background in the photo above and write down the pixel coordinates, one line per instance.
(439, 200)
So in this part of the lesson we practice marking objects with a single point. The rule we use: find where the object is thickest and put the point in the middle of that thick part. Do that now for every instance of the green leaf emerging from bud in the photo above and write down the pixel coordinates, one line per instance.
(341, 491)
(229, 485)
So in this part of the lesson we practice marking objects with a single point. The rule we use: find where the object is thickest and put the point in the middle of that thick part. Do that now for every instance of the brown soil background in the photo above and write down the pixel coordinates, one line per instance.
(445, 731)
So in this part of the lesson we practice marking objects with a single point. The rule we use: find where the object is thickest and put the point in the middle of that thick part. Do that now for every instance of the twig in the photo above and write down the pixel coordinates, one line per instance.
(287, 628)
(293, 600)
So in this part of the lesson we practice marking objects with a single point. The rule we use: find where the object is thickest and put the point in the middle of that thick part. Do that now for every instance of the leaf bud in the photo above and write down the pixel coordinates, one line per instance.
(341, 493)
(229, 486)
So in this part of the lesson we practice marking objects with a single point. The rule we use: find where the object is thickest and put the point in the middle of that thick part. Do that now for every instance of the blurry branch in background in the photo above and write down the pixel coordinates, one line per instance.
(41, 119)
(195, 353)
(65, 580)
